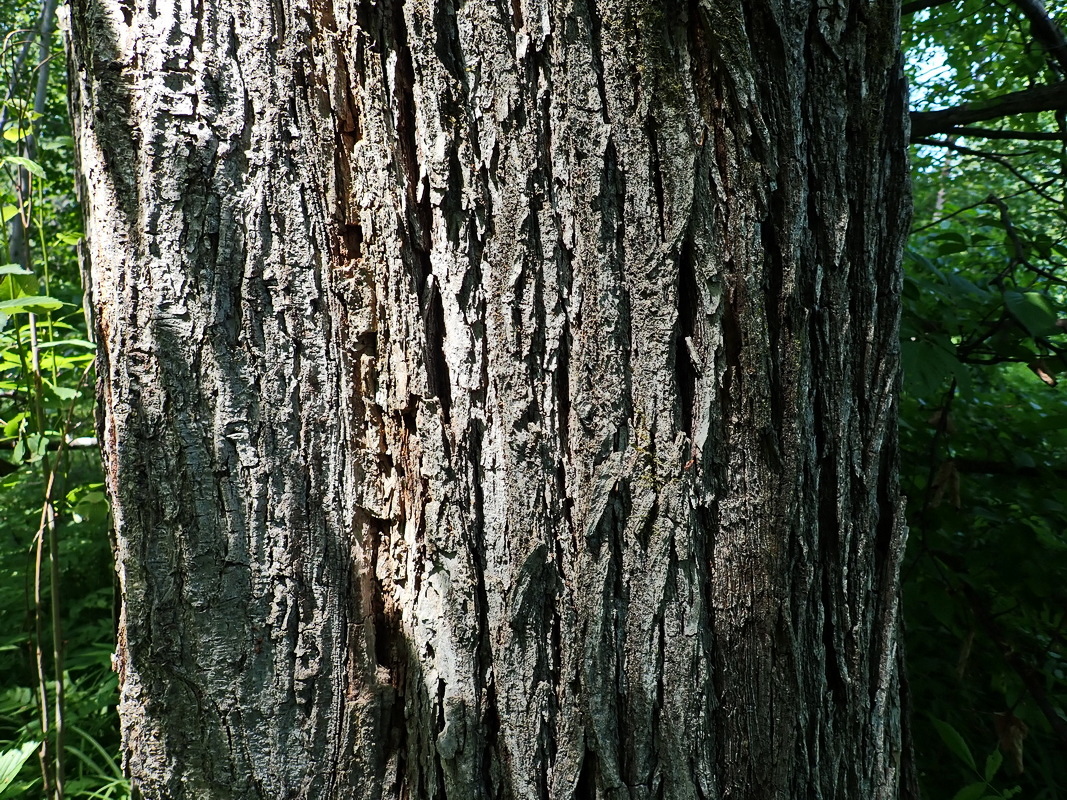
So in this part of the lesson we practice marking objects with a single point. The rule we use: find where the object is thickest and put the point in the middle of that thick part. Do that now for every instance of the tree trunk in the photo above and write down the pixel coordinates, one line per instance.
(499, 398)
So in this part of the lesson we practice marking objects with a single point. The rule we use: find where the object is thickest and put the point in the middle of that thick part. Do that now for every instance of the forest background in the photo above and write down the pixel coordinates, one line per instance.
(983, 416)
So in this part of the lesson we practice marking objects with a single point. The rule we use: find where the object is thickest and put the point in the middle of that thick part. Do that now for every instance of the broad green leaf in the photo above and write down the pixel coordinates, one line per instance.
(11, 762)
(1009, 346)
(34, 304)
(8, 212)
(951, 737)
(1023, 459)
(950, 236)
(81, 343)
(37, 446)
(14, 269)
(11, 427)
(16, 133)
(63, 393)
(27, 164)
(964, 286)
(58, 143)
(951, 248)
(14, 286)
(928, 364)
(1033, 310)
(992, 764)
(69, 238)
(973, 791)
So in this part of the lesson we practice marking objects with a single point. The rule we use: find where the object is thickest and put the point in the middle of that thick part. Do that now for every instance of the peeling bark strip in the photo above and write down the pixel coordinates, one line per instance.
(499, 397)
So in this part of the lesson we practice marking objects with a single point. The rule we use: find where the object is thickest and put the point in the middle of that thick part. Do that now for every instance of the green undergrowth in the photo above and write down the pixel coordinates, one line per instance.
(58, 727)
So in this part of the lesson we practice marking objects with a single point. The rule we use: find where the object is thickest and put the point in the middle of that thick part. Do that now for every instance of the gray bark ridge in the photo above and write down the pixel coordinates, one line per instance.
(499, 398)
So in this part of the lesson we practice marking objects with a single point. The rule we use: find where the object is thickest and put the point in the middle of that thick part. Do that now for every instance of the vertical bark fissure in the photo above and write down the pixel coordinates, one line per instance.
(687, 342)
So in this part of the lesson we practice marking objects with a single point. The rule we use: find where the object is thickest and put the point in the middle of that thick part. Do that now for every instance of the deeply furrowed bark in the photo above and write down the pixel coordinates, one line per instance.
(499, 397)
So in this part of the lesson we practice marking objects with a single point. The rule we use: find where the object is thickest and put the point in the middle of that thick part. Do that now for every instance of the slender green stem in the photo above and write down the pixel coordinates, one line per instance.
(42, 676)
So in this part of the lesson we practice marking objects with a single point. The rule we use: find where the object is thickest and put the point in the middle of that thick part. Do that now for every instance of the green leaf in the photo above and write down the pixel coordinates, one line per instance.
(14, 269)
(15, 133)
(34, 304)
(928, 363)
(11, 427)
(58, 143)
(37, 445)
(1033, 311)
(63, 393)
(7, 212)
(992, 764)
(84, 344)
(30, 166)
(11, 762)
(951, 248)
(69, 238)
(951, 737)
(973, 791)
(965, 286)
(13, 286)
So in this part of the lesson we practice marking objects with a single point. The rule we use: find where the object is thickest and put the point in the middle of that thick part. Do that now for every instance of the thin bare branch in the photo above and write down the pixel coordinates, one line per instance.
(997, 158)
(991, 133)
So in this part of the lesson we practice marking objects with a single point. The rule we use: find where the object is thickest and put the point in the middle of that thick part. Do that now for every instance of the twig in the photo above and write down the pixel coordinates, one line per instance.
(973, 206)
(993, 133)
(997, 158)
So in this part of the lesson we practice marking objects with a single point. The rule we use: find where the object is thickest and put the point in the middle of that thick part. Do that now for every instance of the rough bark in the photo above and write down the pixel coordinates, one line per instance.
(499, 397)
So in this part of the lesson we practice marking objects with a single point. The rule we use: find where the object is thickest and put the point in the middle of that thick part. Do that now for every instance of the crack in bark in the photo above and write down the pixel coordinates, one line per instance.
(685, 347)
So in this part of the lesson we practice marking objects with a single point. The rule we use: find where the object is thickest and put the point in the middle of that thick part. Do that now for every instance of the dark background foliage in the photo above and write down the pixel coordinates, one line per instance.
(984, 412)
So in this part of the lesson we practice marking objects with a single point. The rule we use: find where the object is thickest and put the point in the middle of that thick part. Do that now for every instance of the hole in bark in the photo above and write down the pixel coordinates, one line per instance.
(352, 238)
(563, 408)
(439, 771)
(585, 789)
(405, 103)
(644, 533)
(833, 665)
(386, 633)
(436, 365)
(410, 418)
(492, 731)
